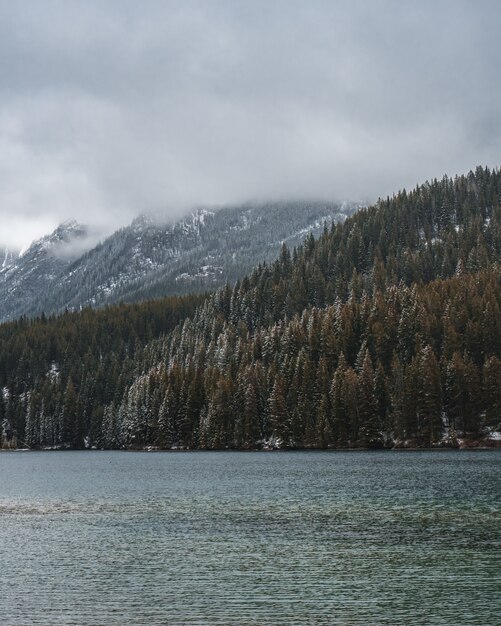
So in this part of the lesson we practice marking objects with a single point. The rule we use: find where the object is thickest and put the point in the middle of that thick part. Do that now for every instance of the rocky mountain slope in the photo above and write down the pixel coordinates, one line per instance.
(146, 259)
(25, 276)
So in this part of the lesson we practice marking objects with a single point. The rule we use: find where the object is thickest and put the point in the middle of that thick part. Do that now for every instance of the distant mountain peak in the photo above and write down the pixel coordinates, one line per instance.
(141, 221)
(70, 229)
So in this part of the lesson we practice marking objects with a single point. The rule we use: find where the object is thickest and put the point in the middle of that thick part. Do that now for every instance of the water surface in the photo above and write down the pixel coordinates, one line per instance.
(119, 538)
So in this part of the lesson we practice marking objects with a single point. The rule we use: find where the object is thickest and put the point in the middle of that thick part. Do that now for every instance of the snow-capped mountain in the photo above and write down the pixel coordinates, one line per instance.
(146, 259)
(26, 277)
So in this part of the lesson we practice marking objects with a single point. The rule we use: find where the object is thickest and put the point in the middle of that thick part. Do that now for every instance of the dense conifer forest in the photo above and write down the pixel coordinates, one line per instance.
(386, 330)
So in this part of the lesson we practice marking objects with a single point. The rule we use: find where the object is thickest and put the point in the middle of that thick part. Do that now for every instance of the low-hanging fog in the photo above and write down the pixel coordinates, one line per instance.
(110, 109)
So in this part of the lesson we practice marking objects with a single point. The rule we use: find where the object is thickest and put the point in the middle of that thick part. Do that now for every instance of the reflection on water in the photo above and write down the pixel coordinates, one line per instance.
(250, 538)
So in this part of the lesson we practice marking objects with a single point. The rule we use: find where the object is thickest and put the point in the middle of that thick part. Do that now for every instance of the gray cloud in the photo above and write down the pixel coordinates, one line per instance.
(109, 109)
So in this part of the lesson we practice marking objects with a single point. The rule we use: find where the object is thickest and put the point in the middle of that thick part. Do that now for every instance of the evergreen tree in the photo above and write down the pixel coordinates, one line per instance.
(492, 391)
(279, 415)
(429, 399)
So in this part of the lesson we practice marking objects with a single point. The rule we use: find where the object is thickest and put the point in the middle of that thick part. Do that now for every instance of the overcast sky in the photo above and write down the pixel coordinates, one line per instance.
(111, 108)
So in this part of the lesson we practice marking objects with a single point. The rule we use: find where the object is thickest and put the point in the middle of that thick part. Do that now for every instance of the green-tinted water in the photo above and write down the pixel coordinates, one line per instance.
(250, 538)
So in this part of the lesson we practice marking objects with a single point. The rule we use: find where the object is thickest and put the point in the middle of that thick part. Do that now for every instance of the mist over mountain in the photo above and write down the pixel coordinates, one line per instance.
(7, 258)
(109, 109)
(149, 259)
(25, 275)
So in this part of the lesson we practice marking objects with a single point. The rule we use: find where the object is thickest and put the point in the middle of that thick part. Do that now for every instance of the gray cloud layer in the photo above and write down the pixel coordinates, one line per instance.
(109, 109)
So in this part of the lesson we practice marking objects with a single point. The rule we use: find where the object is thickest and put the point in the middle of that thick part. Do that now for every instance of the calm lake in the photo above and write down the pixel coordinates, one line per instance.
(250, 538)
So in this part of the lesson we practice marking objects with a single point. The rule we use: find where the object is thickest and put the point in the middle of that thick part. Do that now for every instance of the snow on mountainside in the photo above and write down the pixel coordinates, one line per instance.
(7, 258)
(25, 277)
(199, 252)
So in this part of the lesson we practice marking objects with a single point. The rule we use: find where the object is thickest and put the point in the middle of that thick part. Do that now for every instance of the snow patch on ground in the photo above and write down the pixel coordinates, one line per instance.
(206, 271)
(494, 435)
(8, 259)
(273, 443)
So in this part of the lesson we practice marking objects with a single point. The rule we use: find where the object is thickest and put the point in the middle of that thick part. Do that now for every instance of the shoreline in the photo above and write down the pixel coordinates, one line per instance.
(480, 446)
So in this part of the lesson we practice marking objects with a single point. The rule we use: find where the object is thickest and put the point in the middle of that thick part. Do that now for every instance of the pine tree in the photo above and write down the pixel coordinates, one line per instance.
(350, 392)
(397, 400)
(429, 404)
(71, 434)
(279, 415)
(370, 432)
(492, 391)
(339, 411)
(463, 395)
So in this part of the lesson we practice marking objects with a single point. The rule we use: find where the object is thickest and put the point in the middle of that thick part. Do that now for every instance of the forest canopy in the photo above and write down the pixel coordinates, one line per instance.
(384, 331)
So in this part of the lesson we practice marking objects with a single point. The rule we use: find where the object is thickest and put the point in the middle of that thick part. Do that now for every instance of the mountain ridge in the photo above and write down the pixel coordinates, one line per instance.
(149, 259)
(34, 269)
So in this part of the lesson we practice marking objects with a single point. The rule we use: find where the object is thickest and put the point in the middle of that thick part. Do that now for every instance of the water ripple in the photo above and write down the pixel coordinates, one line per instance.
(299, 538)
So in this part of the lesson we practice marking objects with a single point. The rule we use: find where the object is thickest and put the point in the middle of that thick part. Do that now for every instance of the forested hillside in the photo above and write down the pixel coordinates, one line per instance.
(75, 358)
(386, 330)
